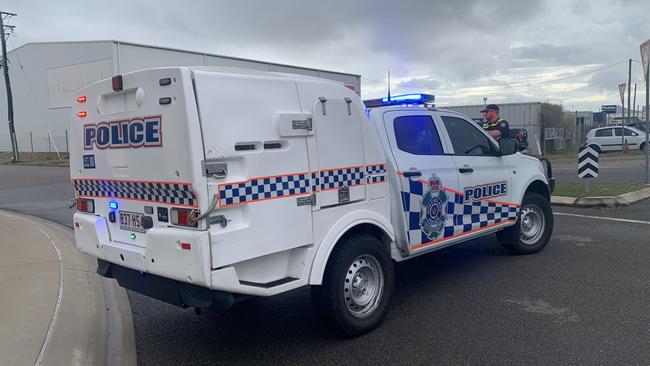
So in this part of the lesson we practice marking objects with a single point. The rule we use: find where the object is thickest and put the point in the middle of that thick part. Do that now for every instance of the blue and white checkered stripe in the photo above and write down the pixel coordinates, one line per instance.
(335, 178)
(376, 173)
(257, 189)
(460, 217)
(171, 193)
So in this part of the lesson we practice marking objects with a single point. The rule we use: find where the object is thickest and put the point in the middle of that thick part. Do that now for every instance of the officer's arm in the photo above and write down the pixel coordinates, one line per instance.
(495, 133)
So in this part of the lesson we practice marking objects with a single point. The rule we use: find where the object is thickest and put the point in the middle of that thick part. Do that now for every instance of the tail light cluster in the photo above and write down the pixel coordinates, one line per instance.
(81, 100)
(85, 205)
(183, 217)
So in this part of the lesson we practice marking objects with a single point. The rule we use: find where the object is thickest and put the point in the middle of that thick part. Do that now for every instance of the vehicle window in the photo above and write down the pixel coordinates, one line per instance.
(606, 132)
(466, 138)
(417, 135)
(630, 133)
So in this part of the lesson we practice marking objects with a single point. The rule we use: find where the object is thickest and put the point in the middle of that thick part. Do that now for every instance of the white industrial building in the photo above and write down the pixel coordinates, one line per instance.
(44, 76)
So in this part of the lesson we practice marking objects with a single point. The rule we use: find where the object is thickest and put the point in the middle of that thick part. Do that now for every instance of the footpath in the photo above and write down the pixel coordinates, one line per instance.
(54, 308)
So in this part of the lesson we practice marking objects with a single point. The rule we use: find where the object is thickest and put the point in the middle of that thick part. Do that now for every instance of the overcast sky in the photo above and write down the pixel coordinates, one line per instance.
(461, 50)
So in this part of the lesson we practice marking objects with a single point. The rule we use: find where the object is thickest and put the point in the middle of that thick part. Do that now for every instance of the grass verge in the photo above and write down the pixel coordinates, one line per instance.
(39, 159)
(595, 189)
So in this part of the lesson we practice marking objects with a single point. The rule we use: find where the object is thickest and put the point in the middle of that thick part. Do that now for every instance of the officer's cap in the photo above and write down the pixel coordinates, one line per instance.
(491, 107)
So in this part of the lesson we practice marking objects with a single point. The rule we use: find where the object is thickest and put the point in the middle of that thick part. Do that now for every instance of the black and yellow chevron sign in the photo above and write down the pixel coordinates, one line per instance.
(587, 162)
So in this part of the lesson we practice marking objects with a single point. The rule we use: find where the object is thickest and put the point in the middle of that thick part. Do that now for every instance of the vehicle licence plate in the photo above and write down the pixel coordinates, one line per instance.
(131, 221)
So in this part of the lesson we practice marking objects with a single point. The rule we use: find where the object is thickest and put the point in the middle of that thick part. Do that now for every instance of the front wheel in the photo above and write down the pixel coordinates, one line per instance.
(357, 285)
(533, 229)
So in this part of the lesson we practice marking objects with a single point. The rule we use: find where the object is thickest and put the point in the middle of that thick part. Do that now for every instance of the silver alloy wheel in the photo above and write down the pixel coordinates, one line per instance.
(364, 286)
(533, 224)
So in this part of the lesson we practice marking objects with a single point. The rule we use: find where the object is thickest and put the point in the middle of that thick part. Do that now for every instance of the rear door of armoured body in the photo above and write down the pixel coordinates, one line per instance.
(248, 122)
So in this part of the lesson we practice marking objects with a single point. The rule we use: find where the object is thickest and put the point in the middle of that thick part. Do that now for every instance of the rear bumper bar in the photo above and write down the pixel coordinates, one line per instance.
(167, 290)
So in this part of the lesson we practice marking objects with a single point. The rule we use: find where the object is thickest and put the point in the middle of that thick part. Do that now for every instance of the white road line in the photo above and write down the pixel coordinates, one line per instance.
(50, 330)
(602, 218)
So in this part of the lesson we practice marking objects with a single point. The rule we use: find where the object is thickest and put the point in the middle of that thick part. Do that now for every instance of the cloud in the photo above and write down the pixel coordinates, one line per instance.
(462, 49)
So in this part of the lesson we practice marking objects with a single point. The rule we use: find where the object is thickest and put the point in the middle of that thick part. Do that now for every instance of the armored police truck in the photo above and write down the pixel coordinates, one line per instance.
(204, 186)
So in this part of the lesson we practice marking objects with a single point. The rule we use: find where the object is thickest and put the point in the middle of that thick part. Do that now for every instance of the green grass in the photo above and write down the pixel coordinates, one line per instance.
(39, 159)
(595, 189)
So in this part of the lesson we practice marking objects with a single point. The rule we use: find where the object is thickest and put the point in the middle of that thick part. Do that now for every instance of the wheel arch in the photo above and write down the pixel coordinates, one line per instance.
(539, 187)
(362, 221)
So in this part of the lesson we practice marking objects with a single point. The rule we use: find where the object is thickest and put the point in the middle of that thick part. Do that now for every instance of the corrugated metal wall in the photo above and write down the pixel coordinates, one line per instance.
(44, 76)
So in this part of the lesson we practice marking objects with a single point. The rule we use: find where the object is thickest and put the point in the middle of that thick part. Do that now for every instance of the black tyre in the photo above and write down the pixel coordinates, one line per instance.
(533, 229)
(357, 285)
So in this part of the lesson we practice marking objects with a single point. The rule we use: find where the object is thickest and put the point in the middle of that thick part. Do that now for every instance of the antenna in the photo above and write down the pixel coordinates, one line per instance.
(388, 85)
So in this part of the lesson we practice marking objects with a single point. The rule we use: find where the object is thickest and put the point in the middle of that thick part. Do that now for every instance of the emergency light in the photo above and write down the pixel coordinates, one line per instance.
(112, 205)
(400, 100)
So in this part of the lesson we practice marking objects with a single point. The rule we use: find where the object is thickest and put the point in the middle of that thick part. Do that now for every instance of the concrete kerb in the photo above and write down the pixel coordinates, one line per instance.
(87, 319)
(605, 201)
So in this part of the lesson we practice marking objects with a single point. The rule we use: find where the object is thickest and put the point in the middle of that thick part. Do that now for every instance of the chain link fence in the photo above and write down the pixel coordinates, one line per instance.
(37, 142)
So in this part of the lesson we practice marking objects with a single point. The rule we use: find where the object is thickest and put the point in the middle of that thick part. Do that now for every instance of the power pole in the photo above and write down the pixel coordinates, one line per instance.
(634, 102)
(629, 111)
(5, 69)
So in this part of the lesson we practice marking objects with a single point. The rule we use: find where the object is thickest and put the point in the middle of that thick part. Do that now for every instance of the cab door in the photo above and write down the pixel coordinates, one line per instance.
(484, 176)
(428, 179)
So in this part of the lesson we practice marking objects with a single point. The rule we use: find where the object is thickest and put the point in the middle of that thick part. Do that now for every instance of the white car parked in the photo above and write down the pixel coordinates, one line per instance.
(609, 138)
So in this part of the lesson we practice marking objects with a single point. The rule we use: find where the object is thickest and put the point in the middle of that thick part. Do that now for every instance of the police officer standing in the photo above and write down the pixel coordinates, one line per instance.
(494, 125)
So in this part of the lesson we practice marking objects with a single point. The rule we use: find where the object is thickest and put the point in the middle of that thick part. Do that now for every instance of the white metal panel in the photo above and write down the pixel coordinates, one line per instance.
(63, 81)
(241, 107)
(28, 72)
(134, 57)
(175, 159)
(341, 161)
(233, 62)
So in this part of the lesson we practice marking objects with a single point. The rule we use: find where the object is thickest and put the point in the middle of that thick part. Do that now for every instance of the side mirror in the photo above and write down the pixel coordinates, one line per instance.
(508, 146)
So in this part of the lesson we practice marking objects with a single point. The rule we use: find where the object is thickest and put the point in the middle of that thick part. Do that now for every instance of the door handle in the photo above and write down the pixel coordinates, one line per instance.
(466, 169)
(412, 173)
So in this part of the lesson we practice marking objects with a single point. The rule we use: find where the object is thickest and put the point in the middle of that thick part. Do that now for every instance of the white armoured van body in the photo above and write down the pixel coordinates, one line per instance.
(198, 186)
(254, 126)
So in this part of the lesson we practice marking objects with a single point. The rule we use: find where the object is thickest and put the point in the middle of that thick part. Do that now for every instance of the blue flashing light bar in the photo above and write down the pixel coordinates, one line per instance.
(400, 100)
(112, 205)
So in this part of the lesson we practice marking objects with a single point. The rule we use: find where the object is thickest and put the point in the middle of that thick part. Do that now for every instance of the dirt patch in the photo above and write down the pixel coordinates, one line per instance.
(37, 158)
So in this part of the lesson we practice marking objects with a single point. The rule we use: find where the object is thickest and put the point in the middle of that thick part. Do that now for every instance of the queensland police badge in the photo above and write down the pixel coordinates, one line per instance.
(434, 209)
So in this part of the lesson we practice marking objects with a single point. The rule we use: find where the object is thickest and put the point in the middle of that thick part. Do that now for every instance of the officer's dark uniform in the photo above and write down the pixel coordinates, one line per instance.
(500, 124)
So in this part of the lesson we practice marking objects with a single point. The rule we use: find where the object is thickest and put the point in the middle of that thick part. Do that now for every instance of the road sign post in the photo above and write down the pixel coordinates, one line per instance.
(645, 59)
(587, 164)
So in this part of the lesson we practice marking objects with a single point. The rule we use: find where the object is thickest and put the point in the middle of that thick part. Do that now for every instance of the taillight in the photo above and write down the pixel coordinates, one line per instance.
(183, 217)
(82, 114)
(117, 82)
(85, 205)
(81, 99)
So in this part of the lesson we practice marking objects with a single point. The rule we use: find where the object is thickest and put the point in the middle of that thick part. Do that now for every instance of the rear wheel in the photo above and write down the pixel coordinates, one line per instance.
(533, 229)
(357, 285)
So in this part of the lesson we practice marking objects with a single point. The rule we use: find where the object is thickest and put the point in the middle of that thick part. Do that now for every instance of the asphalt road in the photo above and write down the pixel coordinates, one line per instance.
(583, 300)
(612, 169)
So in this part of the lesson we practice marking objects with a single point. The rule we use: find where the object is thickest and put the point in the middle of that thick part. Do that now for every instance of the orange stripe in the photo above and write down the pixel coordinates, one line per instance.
(137, 199)
(460, 234)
